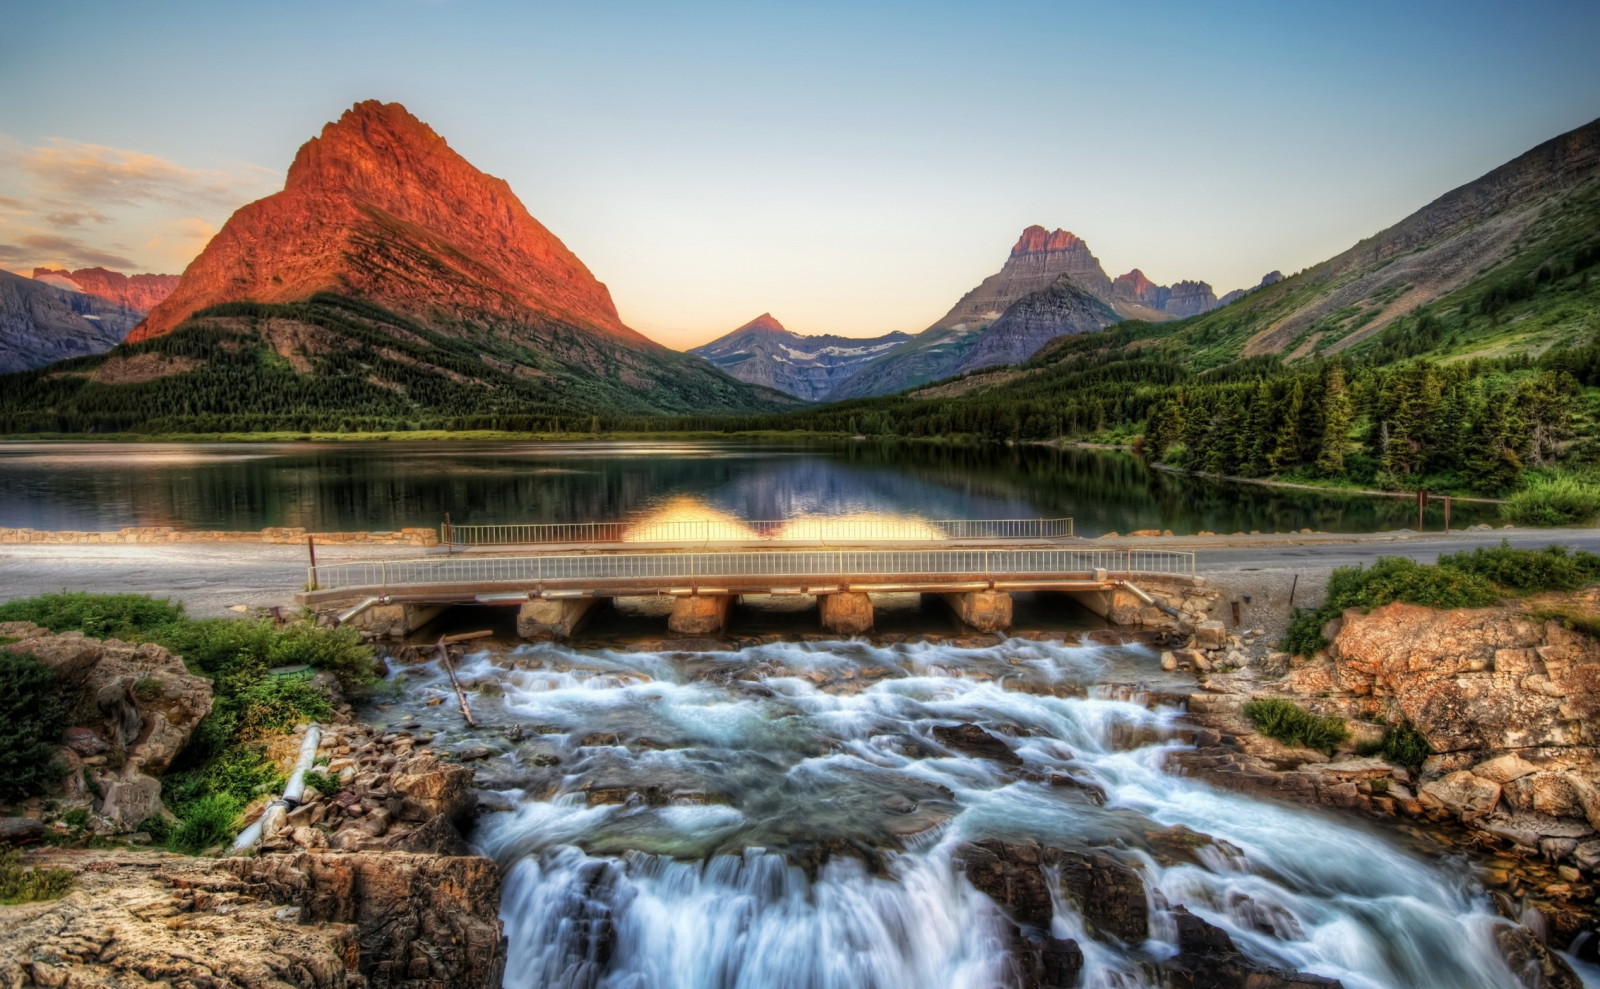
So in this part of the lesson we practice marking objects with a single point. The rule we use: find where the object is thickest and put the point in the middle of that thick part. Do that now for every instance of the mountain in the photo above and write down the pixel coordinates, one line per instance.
(390, 280)
(1038, 261)
(1270, 278)
(1061, 309)
(762, 352)
(40, 323)
(140, 293)
(1482, 378)
(1536, 203)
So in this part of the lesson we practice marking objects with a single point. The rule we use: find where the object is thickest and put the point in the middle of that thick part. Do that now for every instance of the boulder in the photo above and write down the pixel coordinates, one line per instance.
(1467, 796)
(421, 921)
(1503, 769)
(1108, 894)
(971, 740)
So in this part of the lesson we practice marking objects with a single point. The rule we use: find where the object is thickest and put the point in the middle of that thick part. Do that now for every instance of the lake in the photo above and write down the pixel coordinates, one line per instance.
(388, 485)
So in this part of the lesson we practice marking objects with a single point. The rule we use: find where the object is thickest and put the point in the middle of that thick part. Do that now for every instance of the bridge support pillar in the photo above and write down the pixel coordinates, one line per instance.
(699, 614)
(543, 618)
(845, 613)
(986, 611)
(396, 620)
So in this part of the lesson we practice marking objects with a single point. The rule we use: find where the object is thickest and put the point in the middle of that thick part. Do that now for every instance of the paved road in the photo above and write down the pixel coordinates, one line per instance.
(211, 578)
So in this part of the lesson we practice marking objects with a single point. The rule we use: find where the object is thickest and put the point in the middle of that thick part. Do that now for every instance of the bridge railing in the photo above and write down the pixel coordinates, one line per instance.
(717, 530)
(666, 568)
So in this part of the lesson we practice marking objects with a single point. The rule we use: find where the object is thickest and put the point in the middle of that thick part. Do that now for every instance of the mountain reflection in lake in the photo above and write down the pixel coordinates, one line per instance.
(377, 486)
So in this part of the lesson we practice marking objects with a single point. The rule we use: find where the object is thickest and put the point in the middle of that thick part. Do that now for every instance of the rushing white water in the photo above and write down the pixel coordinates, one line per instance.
(794, 822)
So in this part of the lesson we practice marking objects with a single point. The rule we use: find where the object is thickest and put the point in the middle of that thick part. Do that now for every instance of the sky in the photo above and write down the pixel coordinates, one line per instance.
(850, 167)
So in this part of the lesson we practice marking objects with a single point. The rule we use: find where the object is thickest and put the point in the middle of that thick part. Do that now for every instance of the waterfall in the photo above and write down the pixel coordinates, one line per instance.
(793, 816)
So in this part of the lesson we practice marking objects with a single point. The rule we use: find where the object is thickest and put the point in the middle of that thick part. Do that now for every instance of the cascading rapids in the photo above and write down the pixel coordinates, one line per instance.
(785, 817)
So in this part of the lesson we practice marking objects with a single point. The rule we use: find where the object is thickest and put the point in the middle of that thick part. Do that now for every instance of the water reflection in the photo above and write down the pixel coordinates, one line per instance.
(347, 486)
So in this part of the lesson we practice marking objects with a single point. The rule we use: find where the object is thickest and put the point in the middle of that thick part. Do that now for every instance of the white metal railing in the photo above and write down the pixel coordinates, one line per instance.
(718, 530)
(661, 568)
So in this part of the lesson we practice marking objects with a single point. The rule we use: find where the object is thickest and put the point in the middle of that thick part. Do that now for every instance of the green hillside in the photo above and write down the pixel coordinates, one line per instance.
(336, 363)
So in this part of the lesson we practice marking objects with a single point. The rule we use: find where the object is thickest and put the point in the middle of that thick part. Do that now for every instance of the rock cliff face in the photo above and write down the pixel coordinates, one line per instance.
(1039, 263)
(41, 323)
(135, 708)
(762, 352)
(1270, 278)
(140, 293)
(330, 921)
(1035, 319)
(379, 206)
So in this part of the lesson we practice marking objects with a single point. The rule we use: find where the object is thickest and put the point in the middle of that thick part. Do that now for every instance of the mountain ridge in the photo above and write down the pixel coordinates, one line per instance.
(763, 352)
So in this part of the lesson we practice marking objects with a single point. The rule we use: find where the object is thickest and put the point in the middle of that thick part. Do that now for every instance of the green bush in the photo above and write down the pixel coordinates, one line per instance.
(1404, 745)
(1528, 571)
(19, 884)
(1390, 579)
(1553, 501)
(205, 823)
(32, 717)
(1293, 725)
(99, 616)
(326, 784)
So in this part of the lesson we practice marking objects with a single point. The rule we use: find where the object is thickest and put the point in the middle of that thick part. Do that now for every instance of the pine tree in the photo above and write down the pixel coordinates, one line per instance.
(1337, 414)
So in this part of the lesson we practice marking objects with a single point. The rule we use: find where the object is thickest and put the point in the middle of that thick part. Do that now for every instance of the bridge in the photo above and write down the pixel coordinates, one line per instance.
(556, 590)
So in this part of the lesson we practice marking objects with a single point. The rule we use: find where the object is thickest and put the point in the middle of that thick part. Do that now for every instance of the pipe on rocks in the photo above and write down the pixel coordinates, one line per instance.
(1149, 599)
(293, 792)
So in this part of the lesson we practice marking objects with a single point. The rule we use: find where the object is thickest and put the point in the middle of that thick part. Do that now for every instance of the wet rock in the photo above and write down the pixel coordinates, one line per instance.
(1107, 893)
(971, 740)
(1045, 962)
(1536, 966)
(1208, 959)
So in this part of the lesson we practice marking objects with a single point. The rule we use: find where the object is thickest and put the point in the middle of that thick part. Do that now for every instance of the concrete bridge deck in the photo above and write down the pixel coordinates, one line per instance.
(555, 591)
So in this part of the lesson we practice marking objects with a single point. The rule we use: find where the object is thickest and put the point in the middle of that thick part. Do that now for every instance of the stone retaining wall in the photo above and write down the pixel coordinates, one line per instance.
(172, 534)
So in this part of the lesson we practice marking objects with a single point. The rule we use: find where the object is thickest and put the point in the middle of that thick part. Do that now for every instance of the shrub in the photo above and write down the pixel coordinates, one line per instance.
(99, 616)
(1404, 745)
(326, 784)
(1528, 571)
(1390, 579)
(207, 822)
(1553, 501)
(32, 717)
(1293, 725)
(77, 817)
(24, 885)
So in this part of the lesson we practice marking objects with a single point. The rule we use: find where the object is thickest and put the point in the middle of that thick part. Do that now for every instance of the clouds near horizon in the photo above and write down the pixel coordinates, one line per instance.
(75, 204)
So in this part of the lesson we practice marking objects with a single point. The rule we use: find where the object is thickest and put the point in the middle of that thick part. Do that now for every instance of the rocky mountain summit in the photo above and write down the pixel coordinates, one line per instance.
(140, 293)
(762, 352)
(41, 323)
(1060, 287)
(380, 206)
(389, 279)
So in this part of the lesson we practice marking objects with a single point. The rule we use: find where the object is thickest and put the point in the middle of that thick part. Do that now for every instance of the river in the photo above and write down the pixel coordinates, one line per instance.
(327, 487)
(796, 815)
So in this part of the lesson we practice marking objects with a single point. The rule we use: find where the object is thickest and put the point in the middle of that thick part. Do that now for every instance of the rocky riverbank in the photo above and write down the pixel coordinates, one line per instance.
(1506, 702)
(368, 884)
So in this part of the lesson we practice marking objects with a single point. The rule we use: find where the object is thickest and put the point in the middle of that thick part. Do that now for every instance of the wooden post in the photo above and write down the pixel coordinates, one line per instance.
(1422, 506)
(311, 547)
(449, 536)
(1236, 621)
(1292, 585)
(1446, 513)
(461, 696)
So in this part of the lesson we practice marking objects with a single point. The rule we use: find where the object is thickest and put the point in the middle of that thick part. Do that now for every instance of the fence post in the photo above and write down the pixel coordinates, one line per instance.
(311, 547)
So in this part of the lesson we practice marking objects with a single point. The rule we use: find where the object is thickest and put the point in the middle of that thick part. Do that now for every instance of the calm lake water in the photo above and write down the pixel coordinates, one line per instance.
(378, 486)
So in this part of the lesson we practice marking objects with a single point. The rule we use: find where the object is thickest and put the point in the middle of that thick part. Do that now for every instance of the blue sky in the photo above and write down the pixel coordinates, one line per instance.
(850, 167)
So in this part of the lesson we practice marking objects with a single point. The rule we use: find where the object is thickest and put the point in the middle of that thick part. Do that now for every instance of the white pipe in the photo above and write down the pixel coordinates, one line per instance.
(345, 616)
(292, 792)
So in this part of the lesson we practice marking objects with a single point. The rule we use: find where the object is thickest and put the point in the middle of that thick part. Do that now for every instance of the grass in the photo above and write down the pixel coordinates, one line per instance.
(224, 766)
(1528, 571)
(1553, 501)
(1293, 725)
(22, 884)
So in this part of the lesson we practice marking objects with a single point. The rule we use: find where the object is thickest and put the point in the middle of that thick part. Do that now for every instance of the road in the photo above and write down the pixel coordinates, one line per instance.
(214, 578)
